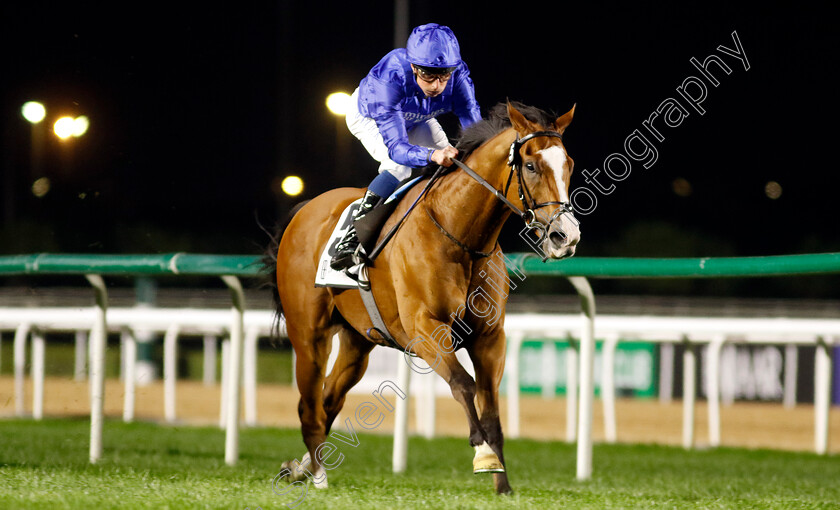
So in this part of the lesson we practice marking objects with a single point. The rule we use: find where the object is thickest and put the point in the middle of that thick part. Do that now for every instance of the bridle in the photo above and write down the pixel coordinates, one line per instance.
(528, 213)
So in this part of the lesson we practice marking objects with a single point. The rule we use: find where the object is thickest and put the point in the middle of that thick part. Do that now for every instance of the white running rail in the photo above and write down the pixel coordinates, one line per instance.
(689, 331)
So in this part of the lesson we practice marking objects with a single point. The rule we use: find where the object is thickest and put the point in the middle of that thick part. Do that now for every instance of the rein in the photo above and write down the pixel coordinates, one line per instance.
(476, 254)
(528, 213)
(378, 248)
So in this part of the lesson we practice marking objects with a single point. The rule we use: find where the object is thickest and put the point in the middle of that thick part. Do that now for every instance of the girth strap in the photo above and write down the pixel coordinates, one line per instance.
(373, 311)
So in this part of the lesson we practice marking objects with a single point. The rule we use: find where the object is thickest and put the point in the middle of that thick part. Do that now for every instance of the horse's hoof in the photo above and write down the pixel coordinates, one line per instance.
(296, 474)
(486, 460)
(299, 471)
(489, 464)
(319, 479)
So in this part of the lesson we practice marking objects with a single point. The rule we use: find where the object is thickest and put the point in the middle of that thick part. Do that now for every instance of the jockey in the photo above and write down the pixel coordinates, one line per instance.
(393, 114)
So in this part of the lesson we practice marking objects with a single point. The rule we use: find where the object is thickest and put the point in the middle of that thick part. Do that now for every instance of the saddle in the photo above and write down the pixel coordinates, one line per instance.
(368, 230)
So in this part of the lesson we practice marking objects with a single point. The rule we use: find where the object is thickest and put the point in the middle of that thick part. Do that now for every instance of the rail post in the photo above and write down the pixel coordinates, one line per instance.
(37, 371)
(713, 398)
(170, 371)
(19, 346)
(822, 394)
(97, 366)
(235, 369)
(587, 362)
(130, 374)
(689, 392)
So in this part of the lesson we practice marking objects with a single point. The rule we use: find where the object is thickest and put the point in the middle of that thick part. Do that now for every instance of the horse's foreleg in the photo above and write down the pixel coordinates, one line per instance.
(440, 357)
(488, 357)
(350, 366)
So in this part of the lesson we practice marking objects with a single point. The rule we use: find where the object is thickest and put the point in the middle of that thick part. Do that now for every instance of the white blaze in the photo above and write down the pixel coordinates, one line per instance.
(555, 157)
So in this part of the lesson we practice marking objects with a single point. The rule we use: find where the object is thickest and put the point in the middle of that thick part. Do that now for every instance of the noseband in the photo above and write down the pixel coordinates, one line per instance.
(530, 206)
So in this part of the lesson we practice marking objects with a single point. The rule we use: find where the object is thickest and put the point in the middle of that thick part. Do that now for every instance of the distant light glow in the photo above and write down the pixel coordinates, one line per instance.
(80, 125)
(681, 187)
(338, 103)
(773, 190)
(64, 127)
(41, 187)
(292, 185)
(33, 111)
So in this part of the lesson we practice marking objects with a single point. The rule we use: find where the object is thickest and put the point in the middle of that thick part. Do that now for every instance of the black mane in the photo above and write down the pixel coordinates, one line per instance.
(497, 121)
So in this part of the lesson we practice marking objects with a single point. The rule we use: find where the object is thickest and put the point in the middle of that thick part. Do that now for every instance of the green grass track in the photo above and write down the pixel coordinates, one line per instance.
(44, 465)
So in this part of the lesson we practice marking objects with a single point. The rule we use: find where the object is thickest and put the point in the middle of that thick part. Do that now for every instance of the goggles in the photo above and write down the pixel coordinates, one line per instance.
(430, 74)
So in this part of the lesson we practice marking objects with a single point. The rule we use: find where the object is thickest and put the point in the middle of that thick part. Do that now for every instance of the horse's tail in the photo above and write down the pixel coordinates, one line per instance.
(269, 265)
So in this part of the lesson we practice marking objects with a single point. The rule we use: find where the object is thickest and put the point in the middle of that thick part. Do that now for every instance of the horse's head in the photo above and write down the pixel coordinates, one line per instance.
(544, 169)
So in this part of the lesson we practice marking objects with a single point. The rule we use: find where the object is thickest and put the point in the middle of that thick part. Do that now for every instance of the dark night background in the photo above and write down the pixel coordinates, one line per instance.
(197, 109)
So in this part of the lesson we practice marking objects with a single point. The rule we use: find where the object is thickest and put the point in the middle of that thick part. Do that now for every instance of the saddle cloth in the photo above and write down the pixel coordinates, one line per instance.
(327, 276)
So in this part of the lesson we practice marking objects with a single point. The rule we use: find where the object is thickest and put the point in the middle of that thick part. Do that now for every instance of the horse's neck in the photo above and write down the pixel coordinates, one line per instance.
(468, 210)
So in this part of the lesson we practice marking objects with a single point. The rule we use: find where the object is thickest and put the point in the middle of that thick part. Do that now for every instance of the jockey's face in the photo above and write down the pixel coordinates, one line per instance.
(431, 84)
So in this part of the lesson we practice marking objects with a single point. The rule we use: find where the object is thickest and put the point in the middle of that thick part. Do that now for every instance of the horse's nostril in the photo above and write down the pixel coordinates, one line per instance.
(557, 238)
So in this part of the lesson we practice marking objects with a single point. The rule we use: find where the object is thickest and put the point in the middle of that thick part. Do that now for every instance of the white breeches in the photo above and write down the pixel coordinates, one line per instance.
(426, 134)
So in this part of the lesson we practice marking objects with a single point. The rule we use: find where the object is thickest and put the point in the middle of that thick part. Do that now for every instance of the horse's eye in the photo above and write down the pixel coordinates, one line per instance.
(530, 166)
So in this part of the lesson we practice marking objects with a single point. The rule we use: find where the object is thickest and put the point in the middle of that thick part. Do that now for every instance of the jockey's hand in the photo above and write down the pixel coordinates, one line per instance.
(444, 157)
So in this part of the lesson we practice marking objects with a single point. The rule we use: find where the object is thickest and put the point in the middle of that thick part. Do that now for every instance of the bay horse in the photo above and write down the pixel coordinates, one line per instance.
(421, 280)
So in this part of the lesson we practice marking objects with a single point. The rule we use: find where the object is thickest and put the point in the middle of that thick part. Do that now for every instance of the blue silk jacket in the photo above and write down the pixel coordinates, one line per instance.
(390, 96)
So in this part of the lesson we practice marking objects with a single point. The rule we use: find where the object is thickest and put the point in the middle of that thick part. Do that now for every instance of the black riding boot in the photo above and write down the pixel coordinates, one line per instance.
(346, 248)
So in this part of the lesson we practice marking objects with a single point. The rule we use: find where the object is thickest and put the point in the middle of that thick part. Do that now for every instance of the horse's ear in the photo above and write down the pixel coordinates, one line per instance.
(518, 121)
(564, 120)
